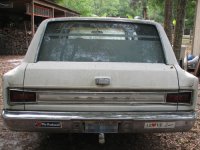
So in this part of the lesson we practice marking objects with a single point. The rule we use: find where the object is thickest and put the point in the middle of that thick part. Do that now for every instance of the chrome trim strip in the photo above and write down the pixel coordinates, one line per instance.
(70, 96)
(23, 115)
(94, 90)
(96, 97)
(100, 97)
(74, 122)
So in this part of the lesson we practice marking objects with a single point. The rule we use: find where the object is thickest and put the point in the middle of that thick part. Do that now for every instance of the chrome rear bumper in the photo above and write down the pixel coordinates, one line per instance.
(74, 122)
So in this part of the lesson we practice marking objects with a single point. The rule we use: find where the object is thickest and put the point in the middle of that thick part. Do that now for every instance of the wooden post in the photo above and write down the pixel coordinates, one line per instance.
(33, 19)
(196, 40)
(26, 34)
(53, 12)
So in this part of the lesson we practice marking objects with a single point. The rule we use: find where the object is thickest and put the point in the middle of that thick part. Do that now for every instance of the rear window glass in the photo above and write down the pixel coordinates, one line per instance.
(101, 42)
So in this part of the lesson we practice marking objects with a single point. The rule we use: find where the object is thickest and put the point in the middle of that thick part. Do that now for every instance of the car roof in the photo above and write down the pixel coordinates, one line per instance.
(108, 19)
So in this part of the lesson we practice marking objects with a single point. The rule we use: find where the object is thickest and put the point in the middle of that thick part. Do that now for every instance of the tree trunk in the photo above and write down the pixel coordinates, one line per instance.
(181, 9)
(145, 16)
(144, 11)
(168, 19)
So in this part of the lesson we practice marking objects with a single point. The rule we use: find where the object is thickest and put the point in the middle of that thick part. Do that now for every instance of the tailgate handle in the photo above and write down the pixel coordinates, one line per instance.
(102, 80)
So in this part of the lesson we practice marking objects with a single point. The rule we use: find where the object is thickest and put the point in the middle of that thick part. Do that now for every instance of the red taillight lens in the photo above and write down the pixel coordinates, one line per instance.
(183, 97)
(22, 96)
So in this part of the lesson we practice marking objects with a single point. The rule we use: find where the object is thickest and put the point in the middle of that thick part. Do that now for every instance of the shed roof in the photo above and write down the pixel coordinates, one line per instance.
(19, 6)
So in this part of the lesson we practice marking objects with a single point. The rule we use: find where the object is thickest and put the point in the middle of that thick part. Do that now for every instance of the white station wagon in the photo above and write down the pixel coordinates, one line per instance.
(99, 75)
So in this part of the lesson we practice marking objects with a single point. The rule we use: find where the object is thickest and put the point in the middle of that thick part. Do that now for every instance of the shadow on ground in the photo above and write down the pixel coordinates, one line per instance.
(90, 142)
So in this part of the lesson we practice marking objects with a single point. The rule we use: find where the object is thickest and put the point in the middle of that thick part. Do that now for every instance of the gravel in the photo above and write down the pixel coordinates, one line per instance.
(10, 140)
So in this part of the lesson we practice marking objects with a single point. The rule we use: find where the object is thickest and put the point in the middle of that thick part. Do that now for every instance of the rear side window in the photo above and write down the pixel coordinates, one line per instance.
(101, 42)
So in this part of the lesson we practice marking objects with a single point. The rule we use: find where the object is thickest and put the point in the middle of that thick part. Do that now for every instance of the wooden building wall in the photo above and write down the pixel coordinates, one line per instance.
(19, 22)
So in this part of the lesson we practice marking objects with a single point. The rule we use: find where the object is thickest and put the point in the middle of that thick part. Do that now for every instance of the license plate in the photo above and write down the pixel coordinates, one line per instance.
(157, 125)
(101, 127)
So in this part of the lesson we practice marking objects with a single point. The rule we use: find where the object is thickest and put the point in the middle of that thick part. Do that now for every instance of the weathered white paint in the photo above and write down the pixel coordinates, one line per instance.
(81, 75)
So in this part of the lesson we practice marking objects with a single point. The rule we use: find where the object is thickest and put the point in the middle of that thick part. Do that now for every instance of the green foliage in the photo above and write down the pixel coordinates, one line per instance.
(106, 6)
(137, 9)
(128, 8)
(84, 7)
(109, 8)
(156, 10)
(190, 14)
(114, 8)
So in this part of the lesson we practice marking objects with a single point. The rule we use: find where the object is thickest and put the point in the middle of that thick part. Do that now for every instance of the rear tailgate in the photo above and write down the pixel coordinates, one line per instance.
(71, 86)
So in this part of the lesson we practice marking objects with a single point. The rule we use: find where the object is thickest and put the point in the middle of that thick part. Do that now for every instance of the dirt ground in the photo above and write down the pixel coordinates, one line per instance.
(10, 140)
